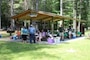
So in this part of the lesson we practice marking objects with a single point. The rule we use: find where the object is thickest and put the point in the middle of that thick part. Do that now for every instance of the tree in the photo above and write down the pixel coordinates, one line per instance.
(5, 13)
(79, 7)
(0, 13)
(12, 13)
(89, 14)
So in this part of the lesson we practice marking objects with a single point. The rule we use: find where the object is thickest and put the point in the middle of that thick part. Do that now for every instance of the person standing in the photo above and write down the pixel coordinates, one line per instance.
(24, 33)
(32, 32)
(70, 32)
(82, 29)
(61, 32)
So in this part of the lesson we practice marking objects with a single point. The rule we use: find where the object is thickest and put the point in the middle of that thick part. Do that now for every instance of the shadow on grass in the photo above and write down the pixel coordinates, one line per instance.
(7, 48)
(16, 47)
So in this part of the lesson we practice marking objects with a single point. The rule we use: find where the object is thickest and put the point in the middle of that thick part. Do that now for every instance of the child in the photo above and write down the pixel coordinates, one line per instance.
(24, 32)
(18, 34)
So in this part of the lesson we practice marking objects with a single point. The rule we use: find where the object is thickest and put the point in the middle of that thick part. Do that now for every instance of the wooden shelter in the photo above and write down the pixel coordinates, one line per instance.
(41, 15)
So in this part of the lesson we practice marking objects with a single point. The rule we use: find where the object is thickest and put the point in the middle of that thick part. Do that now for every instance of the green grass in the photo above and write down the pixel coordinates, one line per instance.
(4, 34)
(87, 32)
(77, 50)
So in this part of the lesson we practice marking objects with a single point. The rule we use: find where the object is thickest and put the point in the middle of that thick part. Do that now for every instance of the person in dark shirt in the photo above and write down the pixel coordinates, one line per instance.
(82, 28)
(61, 32)
(70, 32)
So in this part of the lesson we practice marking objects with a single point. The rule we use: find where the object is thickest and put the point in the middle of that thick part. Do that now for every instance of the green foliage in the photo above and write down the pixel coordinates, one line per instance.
(49, 5)
(5, 13)
(81, 6)
(5, 7)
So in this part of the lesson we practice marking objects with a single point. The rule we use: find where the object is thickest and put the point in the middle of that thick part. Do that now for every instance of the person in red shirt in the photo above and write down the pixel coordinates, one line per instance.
(18, 33)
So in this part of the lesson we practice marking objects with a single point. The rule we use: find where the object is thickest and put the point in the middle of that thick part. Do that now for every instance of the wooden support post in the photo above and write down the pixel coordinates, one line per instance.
(41, 25)
(44, 24)
(79, 22)
(63, 23)
(49, 25)
(30, 21)
(79, 26)
(25, 23)
(52, 26)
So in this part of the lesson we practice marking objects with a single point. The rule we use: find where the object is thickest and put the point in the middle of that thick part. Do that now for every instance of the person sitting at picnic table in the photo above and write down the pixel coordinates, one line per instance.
(79, 33)
(66, 33)
(36, 36)
(44, 35)
(73, 33)
(40, 35)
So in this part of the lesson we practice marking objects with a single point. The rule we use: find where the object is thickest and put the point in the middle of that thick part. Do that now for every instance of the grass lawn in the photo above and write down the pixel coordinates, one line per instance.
(76, 50)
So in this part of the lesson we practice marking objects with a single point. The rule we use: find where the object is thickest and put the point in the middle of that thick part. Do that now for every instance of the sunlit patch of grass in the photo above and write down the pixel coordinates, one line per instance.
(4, 34)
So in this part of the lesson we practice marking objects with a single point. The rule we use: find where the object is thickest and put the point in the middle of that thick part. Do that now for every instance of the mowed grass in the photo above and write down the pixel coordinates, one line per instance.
(4, 34)
(76, 50)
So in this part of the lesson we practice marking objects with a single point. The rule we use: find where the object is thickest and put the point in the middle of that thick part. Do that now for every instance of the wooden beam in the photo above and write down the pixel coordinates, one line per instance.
(45, 16)
(52, 26)
(48, 19)
(41, 17)
(21, 14)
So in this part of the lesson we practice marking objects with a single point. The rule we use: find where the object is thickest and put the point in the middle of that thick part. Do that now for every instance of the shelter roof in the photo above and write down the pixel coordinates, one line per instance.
(41, 15)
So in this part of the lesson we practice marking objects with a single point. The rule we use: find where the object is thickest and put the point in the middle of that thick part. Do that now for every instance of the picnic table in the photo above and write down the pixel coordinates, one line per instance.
(10, 31)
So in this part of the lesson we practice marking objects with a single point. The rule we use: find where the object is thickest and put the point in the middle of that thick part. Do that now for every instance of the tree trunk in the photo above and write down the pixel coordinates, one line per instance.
(12, 13)
(79, 17)
(74, 15)
(0, 13)
(61, 11)
(61, 7)
(26, 7)
(25, 4)
(36, 5)
(28, 4)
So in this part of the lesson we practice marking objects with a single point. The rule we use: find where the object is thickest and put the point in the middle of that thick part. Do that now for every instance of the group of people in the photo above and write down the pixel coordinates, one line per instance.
(68, 32)
(27, 32)
(31, 32)
(38, 35)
